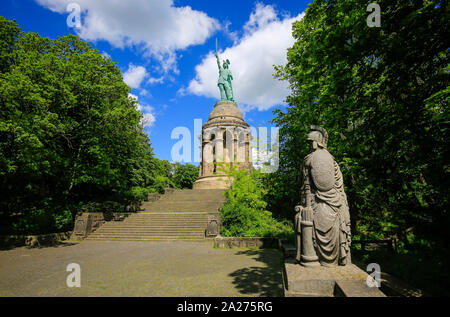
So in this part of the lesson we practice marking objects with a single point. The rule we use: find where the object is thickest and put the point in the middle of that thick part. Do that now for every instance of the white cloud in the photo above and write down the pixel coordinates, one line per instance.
(153, 80)
(264, 43)
(144, 93)
(134, 75)
(106, 55)
(148, 118)
(156, 26)
(130, 95)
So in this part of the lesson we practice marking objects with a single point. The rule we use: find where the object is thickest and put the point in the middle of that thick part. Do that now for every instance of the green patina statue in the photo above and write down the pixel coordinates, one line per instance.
(225, 78)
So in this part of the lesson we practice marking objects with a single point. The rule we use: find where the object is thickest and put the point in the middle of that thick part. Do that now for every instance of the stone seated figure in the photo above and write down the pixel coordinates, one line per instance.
(322, 221)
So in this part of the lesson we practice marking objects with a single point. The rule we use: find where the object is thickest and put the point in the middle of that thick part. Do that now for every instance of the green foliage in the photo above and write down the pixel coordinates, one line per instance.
(244, 214)
(137, 193)
(173, 175)
(185, 175)
(68, 131)
(382, 94)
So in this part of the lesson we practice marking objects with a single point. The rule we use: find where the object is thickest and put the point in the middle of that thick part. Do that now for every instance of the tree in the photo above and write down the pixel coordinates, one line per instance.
(185, 175)
(244, 213)
(69, 133)
(382, 94)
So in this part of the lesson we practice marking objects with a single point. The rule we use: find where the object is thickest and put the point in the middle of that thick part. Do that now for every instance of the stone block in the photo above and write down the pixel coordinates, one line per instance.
(153, 196)
(346, 281)
(86, 223)
(245, 242)
(213, 226)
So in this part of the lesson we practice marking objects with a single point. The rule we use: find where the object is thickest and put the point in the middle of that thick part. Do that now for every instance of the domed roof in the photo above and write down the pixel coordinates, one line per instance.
(224, 109)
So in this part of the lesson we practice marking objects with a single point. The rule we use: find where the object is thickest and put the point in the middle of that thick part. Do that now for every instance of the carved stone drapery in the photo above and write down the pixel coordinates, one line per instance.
(322, 222)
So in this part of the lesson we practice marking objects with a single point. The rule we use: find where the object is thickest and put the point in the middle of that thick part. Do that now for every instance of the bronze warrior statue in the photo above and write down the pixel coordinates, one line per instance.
(224, 82)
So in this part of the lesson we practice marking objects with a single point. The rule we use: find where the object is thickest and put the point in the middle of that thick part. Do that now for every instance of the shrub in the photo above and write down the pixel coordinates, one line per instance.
(244, 213)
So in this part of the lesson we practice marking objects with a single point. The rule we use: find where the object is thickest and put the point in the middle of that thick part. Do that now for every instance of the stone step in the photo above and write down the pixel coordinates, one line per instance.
(174, 222)
(171, 221)
(181, 209)
(146, 229)
(193, 196)
(155, 226)
(151, 228)
(174, 215)
(167, 214)
(188, 198)
(139, 237)
(154, 239)
(181, 204)
(194, 191)
(163, 214)
(186, 215)
(177, 215)
(180, 215)
(168, 218)
(148, 234)
(158, 225)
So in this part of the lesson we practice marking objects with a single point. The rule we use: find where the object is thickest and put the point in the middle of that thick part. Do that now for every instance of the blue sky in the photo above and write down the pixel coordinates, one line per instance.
(164, 49)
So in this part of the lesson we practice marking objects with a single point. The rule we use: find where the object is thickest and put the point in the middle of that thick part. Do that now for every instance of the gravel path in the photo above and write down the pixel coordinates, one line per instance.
(123, 268)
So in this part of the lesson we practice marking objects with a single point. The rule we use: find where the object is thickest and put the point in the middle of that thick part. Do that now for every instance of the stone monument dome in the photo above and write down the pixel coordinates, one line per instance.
(226, 109)
(225, 143)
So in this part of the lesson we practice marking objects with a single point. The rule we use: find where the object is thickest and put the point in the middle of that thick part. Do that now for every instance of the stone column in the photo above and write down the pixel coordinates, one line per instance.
(247, 148)
(218, 145)
(200, 167)
(241, 157)
(229, 145)
(235, 147)
(207, 158)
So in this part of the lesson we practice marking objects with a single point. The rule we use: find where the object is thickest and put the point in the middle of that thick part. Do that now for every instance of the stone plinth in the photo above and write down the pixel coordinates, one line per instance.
(338, 281)
(211, 182)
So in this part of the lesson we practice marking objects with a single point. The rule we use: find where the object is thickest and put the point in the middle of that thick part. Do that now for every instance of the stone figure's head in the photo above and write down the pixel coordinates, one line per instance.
(318, 137)
(226, 63)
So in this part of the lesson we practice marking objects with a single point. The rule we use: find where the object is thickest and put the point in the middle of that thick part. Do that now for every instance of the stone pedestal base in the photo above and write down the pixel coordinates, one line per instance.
(339, 281)
(212, 182)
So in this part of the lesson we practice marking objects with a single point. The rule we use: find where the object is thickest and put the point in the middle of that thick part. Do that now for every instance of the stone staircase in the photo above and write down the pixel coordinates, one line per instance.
(177, 215)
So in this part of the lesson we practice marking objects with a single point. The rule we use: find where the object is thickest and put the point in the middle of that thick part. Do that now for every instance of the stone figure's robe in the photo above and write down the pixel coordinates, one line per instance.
(331, 218)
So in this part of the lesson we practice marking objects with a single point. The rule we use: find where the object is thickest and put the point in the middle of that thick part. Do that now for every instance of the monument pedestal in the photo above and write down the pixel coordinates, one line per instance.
(225, 144)
(212, 182)
(338, 281)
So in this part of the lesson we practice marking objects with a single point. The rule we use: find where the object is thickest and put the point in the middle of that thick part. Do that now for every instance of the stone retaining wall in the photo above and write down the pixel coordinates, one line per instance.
(88, 222)
(244, 242)
(32, 241)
